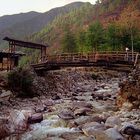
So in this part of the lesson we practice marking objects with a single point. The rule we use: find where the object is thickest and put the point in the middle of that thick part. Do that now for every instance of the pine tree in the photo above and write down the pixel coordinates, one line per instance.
(95, 35)
(69, 42)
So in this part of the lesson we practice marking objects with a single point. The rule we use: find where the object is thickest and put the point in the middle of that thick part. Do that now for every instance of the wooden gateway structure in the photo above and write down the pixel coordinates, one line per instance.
(13, 43)
(12, 54)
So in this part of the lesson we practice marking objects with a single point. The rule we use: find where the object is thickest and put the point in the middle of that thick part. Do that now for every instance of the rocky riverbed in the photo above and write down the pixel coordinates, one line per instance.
(77, 104)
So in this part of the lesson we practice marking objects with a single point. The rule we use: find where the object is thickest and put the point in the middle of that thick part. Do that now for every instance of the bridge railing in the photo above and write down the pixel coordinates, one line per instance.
(90, 57)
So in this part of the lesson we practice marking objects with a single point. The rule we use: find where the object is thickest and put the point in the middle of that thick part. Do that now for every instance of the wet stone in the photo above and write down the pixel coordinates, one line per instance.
(72, 136)
(49, 102)
(35, 118)
(85, 119)
(92, 126)
(98, 135)
(56, 97)
(40, 109)
(79, 104)
(82, 111)
(130, 130)
(66, 115)
(18, 121)
(112, 122)
(114, 134)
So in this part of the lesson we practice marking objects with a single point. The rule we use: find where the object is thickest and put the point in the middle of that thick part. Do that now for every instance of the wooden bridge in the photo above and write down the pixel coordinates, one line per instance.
(51, 62)
(107, 59)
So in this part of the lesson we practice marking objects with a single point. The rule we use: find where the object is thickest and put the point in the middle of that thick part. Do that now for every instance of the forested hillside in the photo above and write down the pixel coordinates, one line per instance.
(107, 25)
(22, 25)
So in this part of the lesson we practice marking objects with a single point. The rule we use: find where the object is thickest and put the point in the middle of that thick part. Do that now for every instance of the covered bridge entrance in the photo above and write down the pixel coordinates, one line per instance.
(14, 42)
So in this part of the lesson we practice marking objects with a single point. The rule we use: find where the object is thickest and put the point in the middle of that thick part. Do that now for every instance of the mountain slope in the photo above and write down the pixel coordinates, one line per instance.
(74, 28)
(28, 27)
(9, 20)
(77, 20)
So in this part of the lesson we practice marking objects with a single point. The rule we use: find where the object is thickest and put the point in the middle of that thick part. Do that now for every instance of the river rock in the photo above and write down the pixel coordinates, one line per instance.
(40, 109)
(97, 96)
(105, 115)
(44, 132)
(80, 104)
(5, 95)
(82, 111)
(130, 130)
(56, 97)
(112, 122)
(85, 119)
(66, 115)
(113, 134)
(72, 136)
(18, 121)
(97, 134)
(4, 128)
(27, 113)
(49, 102)
(92, 126)
(86, 138)
(35, 118)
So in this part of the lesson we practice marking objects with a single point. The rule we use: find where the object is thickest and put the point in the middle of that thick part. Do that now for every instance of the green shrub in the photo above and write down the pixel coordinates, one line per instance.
(20, 81)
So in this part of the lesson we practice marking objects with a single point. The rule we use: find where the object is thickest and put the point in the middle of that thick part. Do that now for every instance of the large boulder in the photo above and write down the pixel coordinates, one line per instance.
(17, 121)
(112, 122)
(82, 104)
(35, 118)
(130, 130)
(113, 134)
(92, 126)
(82, 111)
(66, 115)
(87, 119)
(95, 135)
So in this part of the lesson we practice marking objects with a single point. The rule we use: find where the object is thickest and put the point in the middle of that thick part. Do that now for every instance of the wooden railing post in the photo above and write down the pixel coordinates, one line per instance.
(136, 59)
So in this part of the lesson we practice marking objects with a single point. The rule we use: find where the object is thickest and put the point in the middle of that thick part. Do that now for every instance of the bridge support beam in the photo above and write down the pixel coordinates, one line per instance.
(43, 54)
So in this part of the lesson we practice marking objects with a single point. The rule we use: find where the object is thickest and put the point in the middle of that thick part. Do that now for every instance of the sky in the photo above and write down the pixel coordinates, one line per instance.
(9, 7)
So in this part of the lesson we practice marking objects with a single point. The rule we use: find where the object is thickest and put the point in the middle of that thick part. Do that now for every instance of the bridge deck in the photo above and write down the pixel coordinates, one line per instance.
(91, 59)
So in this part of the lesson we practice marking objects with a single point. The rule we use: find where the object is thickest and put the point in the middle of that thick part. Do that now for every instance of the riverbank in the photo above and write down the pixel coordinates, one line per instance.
(75, 104)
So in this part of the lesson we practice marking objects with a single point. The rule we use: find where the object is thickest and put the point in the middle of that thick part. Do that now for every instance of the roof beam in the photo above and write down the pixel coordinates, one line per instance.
(25, 44)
